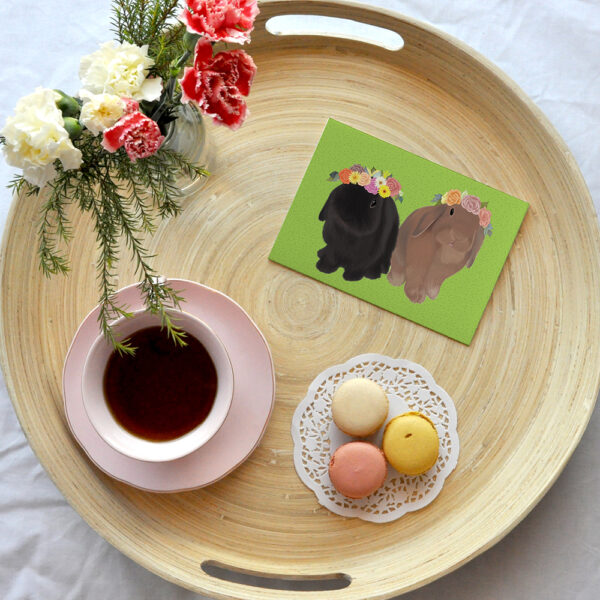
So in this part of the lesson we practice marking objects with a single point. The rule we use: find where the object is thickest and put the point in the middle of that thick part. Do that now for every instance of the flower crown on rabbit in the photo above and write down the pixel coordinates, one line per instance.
(374, 181)
(470, 203)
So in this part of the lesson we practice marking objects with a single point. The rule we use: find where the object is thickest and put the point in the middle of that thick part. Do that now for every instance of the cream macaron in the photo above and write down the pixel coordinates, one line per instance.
(359, 407)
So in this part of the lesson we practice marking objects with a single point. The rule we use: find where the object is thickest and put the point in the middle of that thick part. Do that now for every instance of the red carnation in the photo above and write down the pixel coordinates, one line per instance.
(217, 83)
(221, 20)
(138, 133)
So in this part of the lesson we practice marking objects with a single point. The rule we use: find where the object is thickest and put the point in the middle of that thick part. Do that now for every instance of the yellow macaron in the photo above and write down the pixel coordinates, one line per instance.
(411, 443)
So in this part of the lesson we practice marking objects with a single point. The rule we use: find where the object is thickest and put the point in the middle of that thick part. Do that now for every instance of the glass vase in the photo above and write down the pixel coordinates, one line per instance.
(187, 135)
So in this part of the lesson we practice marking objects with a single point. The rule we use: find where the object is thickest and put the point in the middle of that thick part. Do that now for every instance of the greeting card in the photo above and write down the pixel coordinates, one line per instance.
(399, 231)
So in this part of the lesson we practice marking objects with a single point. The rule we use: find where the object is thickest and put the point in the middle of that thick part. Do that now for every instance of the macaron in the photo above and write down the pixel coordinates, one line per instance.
(359, 407)
(357, 469)
(411, 443)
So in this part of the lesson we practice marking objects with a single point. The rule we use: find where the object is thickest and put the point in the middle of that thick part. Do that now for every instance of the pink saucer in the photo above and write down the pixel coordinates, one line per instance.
(240, 434)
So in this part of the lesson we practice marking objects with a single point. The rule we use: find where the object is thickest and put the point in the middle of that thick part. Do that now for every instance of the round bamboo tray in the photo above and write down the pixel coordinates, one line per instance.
(524, 390)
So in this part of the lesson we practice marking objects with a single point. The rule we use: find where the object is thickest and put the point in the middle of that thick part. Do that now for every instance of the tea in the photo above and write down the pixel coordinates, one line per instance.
(163, 391)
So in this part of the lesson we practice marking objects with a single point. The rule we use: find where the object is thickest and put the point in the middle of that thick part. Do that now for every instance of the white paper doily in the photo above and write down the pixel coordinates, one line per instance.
(409, 387)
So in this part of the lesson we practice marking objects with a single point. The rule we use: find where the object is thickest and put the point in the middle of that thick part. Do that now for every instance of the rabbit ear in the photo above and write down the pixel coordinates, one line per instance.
(325, 209)
(477, 242)
(429, 217)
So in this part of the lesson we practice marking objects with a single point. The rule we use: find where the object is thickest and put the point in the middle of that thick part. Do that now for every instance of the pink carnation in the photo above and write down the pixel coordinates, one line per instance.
(138, 133)
(394, 186)
(471, 204)
(221, 20)
(131, 105)
(485, 217)
(372, 188)
(218, 83)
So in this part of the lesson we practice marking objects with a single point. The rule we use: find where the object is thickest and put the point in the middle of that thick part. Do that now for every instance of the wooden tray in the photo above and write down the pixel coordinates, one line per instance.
(524, 389)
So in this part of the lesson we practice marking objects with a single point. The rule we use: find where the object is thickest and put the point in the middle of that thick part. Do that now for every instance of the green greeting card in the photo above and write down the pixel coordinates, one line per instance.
(399, 231)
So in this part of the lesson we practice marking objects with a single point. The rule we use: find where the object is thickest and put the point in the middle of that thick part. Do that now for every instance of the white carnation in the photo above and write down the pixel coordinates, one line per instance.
(100, 111)
(120, 69)
(35, 137)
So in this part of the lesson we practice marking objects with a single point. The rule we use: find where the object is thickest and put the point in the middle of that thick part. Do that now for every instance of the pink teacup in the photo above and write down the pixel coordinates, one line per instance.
(117, 436)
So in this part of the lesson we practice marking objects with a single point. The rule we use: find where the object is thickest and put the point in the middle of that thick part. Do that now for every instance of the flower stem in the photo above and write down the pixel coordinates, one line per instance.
(183, 59)
(167, 97)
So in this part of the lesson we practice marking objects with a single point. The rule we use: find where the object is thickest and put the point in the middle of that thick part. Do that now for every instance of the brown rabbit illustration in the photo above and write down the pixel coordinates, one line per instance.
(434, 243)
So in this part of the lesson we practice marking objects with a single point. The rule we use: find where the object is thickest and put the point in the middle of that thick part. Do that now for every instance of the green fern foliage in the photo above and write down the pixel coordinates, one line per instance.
(153, 23)
(125, 200)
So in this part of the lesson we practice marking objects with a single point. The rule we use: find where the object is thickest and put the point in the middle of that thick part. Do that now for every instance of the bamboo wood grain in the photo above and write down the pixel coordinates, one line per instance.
(524, 389)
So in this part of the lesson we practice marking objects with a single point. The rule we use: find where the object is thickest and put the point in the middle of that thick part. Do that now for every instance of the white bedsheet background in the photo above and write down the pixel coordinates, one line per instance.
(552, 50)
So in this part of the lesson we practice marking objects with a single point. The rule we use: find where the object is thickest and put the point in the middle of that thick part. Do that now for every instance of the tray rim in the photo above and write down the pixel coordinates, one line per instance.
(317, 7)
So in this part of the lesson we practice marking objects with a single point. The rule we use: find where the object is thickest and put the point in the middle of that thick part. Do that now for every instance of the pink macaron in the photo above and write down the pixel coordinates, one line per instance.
(357, 469)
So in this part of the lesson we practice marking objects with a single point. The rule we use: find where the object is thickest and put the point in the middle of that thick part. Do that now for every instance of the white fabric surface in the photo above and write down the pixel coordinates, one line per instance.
(552, 50)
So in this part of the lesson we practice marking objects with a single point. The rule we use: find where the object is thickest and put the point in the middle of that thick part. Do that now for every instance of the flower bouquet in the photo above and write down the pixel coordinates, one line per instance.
(471, 204)
(105, 148)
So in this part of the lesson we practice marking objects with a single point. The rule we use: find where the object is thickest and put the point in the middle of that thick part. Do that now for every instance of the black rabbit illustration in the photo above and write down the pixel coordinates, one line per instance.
(360, 233)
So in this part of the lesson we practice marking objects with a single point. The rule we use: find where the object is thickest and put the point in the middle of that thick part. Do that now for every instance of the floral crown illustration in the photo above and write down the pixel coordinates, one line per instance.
(374, 181)
(470, 203)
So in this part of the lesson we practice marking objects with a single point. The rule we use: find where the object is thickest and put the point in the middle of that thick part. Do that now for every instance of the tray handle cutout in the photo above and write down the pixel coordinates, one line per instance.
(335, 27)
(294, 583)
